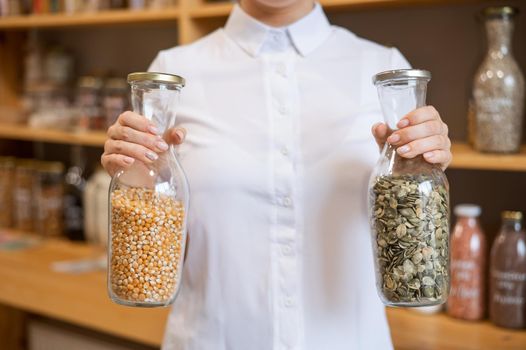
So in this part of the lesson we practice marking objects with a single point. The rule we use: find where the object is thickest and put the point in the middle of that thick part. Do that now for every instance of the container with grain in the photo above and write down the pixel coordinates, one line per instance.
(148, 205)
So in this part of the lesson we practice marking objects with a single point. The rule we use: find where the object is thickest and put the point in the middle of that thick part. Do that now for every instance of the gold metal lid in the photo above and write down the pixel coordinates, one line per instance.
(401, 74)
(25, 163)
(51, 167)
(511, 215)
(7, 161)
(500, 11)
(156, 77)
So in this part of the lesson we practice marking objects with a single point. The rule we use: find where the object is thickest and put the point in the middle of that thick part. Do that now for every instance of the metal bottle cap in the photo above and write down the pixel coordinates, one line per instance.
(511, 215)
(401, 74)
(156, 77)
(500, 12)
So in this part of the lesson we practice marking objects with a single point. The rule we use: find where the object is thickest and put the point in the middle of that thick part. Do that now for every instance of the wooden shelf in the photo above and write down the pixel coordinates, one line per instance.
(465, 157)
(22, 132)
(214, 10)
(87, 19)
(29, 284)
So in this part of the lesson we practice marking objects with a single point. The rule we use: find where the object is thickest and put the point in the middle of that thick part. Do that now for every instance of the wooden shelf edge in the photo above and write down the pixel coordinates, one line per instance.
(25, 133)
(218, 10)
(84, 19)
(465, 157)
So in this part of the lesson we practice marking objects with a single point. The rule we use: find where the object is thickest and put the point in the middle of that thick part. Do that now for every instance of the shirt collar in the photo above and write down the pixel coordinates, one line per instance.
(306, 34)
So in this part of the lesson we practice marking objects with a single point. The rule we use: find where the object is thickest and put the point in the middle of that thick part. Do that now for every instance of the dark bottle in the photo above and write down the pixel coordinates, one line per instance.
(508, 273)
(468, 265)
(74, 194)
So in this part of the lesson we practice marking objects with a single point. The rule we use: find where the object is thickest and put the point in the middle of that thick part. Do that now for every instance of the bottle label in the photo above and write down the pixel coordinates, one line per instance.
(466, 282)
(508, 287)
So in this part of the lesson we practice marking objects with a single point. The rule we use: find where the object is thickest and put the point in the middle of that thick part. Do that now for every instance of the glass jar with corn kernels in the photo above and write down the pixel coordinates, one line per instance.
(148, 205)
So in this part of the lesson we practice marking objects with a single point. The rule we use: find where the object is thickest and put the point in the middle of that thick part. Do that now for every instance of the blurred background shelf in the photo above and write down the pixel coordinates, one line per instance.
(465, 157)
(88, 19)
(25, 133)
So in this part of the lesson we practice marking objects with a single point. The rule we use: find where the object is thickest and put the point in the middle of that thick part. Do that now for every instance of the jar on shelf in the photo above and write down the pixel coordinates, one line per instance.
(508, 273)
(468, 265)
(24, 206)
(497, 107)
(409, 207)
(148, 206)
(49, 195)
(96, 207)
(88, 102)
(7, 172)
(114, 99)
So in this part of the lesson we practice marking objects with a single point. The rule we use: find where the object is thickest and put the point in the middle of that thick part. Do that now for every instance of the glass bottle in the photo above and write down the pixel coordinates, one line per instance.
(7, 173)
(49, 196)
(75, 181)
(468, 265)
(148, 206)
(409, 206)
(508, 273)
(497, 107)
(24, 184)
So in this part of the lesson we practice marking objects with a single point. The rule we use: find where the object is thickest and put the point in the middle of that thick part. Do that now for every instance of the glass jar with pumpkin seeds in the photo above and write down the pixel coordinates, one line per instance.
(148, 205)
(409, 207)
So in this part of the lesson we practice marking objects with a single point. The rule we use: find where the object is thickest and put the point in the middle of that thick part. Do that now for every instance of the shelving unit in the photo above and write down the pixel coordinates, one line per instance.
(21, 132)
(88, 19)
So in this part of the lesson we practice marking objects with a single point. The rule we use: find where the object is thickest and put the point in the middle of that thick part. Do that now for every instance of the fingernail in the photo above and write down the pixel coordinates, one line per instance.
(403, 123)
(151, 155)
(403, 149)
(375, 126)
(180, 134)
(429, 155)
(393, 138)
(163, 146)
(128, 160)
(153, 129)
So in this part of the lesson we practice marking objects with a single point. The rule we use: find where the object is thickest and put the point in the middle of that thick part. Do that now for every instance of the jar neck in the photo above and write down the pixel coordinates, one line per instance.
(510, 225)
(499, 32)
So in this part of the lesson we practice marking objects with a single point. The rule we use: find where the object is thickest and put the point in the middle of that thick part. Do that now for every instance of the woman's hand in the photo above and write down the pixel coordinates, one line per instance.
(420, 132)
(134, 137)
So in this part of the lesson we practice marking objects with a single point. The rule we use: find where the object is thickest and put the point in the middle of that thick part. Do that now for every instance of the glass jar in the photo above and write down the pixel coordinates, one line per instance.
(7, 172)
(508, 273)
(49, 194)
(148, 206)
(497, 107)
(88, 102)
(114, 99)
(24, 183)
(409, 206)
(468, 265)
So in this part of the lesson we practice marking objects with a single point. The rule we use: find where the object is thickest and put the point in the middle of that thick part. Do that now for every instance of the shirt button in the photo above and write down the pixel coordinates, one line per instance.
(281, 70)
(289, 302)
(287, 201)
(283, 110)
(286, 250)
(284, 151)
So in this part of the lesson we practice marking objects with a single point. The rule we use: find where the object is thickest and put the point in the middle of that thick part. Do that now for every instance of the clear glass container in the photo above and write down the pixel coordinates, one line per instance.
(49, 196)
(497, 107)
(468, 265)
(148, 206)
(24, 184)
(408, 207)
(507, 304)
(7, 172)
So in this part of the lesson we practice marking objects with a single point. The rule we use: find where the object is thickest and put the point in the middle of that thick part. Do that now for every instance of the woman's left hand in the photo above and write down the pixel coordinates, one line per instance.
(420, 132)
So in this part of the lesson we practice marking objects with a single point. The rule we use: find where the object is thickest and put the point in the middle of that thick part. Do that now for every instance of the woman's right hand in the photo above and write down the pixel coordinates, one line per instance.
(134, 137)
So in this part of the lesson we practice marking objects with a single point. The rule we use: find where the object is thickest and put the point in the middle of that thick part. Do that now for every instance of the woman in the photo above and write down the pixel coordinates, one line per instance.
(278, 106)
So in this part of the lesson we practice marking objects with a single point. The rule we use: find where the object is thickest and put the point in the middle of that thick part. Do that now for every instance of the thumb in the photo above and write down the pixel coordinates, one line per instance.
(175, 136)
